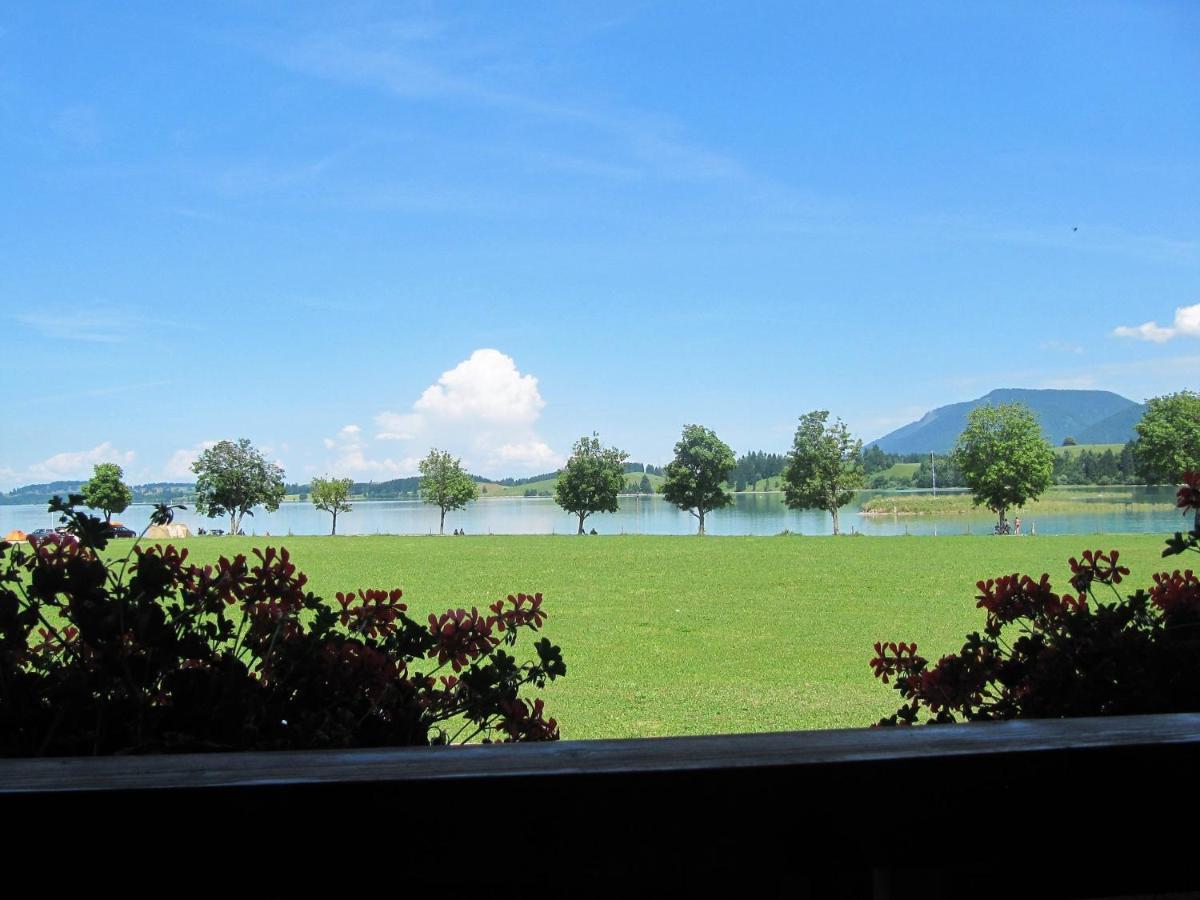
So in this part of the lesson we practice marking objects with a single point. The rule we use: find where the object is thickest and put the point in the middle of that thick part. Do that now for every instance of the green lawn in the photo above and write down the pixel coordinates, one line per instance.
(686, 635)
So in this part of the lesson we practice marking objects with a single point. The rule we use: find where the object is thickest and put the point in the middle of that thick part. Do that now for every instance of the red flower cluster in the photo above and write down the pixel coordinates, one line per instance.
(903, 660)
(1189, 495)
(1012, 597)
(376, 613)
(1046, 655)
(1096, 566)
(520, 614)
(461, 636)
(1176, 593)
(153, 641)
(523, 722)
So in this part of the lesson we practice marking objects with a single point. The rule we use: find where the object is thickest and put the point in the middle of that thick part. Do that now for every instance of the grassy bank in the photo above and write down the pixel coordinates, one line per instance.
(681, 635)
(1066, 500)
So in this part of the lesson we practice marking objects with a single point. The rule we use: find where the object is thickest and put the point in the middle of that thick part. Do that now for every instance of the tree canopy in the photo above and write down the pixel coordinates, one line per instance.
(1168, 438)
(106, 491)
(591, 479)
(695, 477)
(1003, 456)
(331, 495)
(824, 467)
(445, 484)
(232, 478)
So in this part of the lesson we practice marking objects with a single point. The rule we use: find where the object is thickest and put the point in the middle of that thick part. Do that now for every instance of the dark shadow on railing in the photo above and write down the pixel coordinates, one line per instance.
(1083, 807)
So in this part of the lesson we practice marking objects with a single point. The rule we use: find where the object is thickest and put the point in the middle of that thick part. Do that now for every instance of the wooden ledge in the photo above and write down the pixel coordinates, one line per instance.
(846, 747)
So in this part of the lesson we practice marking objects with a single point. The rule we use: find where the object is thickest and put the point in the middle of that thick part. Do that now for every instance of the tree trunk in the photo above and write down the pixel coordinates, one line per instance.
(233, 523)
(334, 531)
(582, 516)
(701, 522)
(1001, 522)
(834, 512)
(442, 523)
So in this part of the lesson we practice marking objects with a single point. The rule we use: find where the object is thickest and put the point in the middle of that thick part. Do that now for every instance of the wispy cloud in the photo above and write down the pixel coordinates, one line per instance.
(1187, 324)
(94, 392)
(94, 324)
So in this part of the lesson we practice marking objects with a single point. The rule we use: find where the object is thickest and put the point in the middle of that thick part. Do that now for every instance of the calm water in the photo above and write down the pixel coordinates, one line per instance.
(762, 514)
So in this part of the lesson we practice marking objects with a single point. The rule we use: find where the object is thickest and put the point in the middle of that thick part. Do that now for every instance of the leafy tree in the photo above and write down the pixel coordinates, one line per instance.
(695, 478)
(825, 466)
(445, 484)
(1168, 437)
(232, 478)
(875, 460)
(1069, 442)
(645, 487)
(331, 495)
(1003, 457)
(106, 491)
(591, 480)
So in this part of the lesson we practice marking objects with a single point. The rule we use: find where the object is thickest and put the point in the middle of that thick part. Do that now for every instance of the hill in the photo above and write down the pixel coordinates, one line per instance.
(155, 492)
(1092, 417)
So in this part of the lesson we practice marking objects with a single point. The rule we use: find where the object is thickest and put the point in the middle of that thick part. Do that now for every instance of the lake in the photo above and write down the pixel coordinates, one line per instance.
(760, 514)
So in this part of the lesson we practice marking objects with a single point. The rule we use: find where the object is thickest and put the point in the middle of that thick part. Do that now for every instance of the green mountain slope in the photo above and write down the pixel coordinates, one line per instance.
(1093, 417)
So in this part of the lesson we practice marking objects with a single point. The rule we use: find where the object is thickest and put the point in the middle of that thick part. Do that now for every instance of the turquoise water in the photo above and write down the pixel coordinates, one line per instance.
(761, 514)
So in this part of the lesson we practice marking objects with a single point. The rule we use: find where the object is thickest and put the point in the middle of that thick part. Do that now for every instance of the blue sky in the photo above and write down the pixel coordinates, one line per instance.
(352, 232)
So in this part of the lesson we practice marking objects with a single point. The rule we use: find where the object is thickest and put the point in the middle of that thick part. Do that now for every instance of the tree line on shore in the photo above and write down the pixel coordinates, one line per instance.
(1001, 456)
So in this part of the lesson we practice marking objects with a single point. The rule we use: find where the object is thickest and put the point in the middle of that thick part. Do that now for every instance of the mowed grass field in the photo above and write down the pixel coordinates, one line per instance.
(687, 635)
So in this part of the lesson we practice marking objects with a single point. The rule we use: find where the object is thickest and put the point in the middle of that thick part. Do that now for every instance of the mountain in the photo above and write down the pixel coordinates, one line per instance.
(1091, 417)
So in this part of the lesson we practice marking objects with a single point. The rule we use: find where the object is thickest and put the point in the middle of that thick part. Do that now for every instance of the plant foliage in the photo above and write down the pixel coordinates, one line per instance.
(106, 491)
(152, 653)
(1168, 437)
(1003, 457)
(445, 483)
(592, 479)
(824, 467)
(232, 478)
(695, 477)
(1087, 651)
(332, 495)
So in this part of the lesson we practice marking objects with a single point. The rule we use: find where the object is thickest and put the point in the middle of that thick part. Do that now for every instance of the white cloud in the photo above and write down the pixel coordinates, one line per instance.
(485, 409)
(68, 466)
(350, 458)
(526, 455)
(179, 466)
(1187, 324)
(488, 387)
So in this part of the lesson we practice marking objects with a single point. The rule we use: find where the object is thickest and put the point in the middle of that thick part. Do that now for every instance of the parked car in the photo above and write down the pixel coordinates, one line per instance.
(44, 534)
(120, 531)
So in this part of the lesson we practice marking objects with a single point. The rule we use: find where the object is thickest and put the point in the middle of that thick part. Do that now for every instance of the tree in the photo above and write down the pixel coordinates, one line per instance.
(1003, 457)
(695, 478)
(591, 479)
(445, 484)
(106, 491)
(330, 494)
(825, 466)
(232, 478)
(1168, 438)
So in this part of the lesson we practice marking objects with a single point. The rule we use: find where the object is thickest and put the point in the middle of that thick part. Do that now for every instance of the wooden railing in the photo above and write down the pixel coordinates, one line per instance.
(1084, 807)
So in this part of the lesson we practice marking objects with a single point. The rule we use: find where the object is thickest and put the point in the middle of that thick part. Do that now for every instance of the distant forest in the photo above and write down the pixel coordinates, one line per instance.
(1085, 466)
